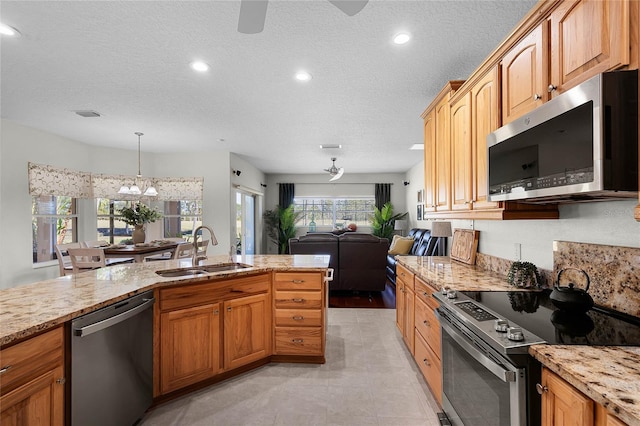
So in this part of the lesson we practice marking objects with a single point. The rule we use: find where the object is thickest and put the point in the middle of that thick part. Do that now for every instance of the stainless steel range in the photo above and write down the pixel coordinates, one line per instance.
(488, 376)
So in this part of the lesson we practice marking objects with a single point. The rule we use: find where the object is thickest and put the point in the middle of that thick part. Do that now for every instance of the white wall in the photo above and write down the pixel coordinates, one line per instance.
(609, 223)
(350, 185)
(20, 144)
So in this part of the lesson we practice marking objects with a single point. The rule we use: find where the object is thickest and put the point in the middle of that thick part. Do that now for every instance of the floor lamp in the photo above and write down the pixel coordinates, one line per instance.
(441, 231)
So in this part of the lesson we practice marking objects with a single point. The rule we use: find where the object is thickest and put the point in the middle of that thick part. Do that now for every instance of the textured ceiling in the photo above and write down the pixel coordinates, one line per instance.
(129, 61)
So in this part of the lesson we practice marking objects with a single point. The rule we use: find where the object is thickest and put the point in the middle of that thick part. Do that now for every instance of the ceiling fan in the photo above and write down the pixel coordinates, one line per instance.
(335, 172)
(254, 12)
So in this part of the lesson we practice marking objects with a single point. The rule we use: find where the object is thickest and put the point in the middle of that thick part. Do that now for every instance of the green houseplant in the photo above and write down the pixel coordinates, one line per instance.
(139, 215)
(524, 274)
(384, 220)
(281, 226)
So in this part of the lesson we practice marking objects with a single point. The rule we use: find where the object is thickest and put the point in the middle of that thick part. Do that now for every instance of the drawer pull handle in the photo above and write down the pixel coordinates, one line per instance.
(61, 381)
(235, 291)
(297, 281)
(298, 317)
(297, 341)
(425, 362)
(4, 369)
(298, 300)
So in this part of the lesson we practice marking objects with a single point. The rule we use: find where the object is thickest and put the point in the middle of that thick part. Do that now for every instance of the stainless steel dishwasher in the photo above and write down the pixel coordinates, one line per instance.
(112, 363)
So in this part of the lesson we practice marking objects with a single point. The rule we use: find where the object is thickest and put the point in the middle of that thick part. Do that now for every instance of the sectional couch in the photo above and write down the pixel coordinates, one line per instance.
(358, 260)
(423, 245)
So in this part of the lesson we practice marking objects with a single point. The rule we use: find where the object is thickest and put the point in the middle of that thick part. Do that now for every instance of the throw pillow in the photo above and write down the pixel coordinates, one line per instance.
(401, 246)
(396, 238)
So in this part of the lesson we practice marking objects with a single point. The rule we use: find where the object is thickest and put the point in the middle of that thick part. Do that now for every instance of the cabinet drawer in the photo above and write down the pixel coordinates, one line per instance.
(29, 359)
(429, 365)
(298, 299)
(404, 275)
(187, 296)
(424, 292)
(428, 325)
(298, 317)
(298, 341)
(298, 281)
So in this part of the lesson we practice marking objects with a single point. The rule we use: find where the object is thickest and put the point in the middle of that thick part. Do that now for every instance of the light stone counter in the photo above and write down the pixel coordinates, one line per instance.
(31, 308)
(608, 375)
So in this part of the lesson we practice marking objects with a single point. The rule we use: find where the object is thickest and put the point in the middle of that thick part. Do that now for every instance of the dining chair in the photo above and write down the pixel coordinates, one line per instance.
(84, 259)
(168, 254)
(64, 261)
(184, 250)
(104, 244)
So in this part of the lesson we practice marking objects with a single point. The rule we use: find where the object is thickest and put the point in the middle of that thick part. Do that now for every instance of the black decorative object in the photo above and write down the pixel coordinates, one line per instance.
(570, 298)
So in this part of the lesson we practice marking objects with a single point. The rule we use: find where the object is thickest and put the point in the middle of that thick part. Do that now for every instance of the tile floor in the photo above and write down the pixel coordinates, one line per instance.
(370, 378)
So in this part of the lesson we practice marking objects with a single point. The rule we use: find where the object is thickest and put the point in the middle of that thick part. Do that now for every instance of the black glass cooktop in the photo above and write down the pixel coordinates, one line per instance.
(534, 312)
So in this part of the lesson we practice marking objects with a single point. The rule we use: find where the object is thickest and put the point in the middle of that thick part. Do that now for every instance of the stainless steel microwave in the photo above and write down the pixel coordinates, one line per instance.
(580, 146)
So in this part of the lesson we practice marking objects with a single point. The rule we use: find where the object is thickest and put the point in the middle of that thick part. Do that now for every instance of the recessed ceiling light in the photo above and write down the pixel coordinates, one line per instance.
(303, 76)
(9, 31)
(401, 38)
(200, 66)
(325, 146)
(417, 146)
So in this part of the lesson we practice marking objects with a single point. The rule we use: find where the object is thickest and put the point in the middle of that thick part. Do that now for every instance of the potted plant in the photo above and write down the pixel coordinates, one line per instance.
(281, 226)
(139, 215)
(524, 274)
(383, 221)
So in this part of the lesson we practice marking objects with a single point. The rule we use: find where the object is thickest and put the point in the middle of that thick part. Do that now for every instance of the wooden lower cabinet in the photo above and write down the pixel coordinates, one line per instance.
(190, 346)
(247, 330)
(430, 366)
(564, 405)
(32, 382)
(427, 337)
(405, 305)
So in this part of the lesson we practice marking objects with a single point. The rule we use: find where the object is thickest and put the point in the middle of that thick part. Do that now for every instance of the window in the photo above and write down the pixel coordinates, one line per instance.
(110, 227)
(54, 221)
(334, 212)
(181, 218)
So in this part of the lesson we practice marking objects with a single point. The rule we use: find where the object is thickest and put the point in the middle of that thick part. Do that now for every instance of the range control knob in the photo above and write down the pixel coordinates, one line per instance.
(501, 325)
(451, 294)
(515, 334)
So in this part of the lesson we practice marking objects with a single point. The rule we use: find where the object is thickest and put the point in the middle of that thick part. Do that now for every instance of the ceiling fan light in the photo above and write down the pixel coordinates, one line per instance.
(337, 175)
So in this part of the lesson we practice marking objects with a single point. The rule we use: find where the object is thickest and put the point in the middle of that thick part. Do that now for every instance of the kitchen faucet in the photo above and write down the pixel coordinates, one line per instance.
(214, 242)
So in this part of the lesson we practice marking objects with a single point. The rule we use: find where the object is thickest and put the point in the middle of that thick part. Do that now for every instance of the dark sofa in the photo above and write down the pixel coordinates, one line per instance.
(358, 260)
(423, 245)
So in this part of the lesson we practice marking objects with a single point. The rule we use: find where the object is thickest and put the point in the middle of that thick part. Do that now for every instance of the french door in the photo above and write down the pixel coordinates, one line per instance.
(245, 233)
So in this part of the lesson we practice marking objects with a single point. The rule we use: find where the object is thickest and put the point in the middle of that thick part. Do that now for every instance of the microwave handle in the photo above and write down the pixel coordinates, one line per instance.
(497, 370)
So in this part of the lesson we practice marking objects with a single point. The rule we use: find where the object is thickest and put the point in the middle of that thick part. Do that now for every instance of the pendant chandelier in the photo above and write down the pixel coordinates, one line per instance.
(135, 189)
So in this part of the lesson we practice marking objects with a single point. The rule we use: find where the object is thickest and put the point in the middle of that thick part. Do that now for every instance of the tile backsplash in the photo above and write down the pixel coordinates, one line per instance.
(614, 272)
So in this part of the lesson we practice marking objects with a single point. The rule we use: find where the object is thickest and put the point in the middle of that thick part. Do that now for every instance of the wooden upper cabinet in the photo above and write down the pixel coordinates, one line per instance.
(485, 118)
(429, 162)
(588, 37)
(461, 167)
(525, 75)
(443, 157)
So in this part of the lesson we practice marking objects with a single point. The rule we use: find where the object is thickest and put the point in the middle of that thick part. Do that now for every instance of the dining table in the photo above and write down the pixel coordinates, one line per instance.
(138, 252)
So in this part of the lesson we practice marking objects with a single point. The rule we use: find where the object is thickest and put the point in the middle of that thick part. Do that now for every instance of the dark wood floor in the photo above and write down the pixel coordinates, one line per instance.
(365, 299)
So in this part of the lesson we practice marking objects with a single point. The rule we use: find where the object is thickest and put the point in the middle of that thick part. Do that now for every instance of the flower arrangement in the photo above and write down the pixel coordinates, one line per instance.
(139, 214)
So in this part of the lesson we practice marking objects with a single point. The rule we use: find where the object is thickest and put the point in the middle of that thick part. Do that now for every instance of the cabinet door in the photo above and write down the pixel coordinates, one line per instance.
(563, 405)
(461, 154)
(587, 37)
(409, 320)
(525, 75)
(443, 157)
(485, 118)
(38, 402)
(247, 325)
(429, 162)
(400, 306)
(190, 346)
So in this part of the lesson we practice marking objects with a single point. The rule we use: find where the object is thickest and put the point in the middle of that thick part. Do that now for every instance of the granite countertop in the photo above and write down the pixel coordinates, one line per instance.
(31, 308)
(608, 375)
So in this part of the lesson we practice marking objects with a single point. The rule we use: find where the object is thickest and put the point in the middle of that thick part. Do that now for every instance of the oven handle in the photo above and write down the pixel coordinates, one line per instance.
(488, 363)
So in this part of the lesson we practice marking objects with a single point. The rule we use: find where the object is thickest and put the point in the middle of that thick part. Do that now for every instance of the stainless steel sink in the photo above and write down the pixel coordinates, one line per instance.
(202, 270)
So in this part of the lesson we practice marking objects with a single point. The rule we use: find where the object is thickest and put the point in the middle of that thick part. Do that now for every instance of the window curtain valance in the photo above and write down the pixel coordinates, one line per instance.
(48, 180)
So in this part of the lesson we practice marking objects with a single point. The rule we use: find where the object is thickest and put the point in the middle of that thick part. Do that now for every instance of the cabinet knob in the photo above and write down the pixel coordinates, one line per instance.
(537, 97)
(425, 294)
(541, 389)
(229, 309)
(551, 88)
(426, 323)
(61, 381)
(4, 369)
(216, 312)
(425, 362)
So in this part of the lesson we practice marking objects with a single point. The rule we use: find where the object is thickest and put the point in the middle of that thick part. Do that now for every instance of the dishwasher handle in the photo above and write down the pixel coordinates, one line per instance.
(108, 322)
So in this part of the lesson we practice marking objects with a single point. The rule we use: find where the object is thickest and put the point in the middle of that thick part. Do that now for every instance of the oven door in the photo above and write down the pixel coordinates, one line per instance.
(480, 387)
